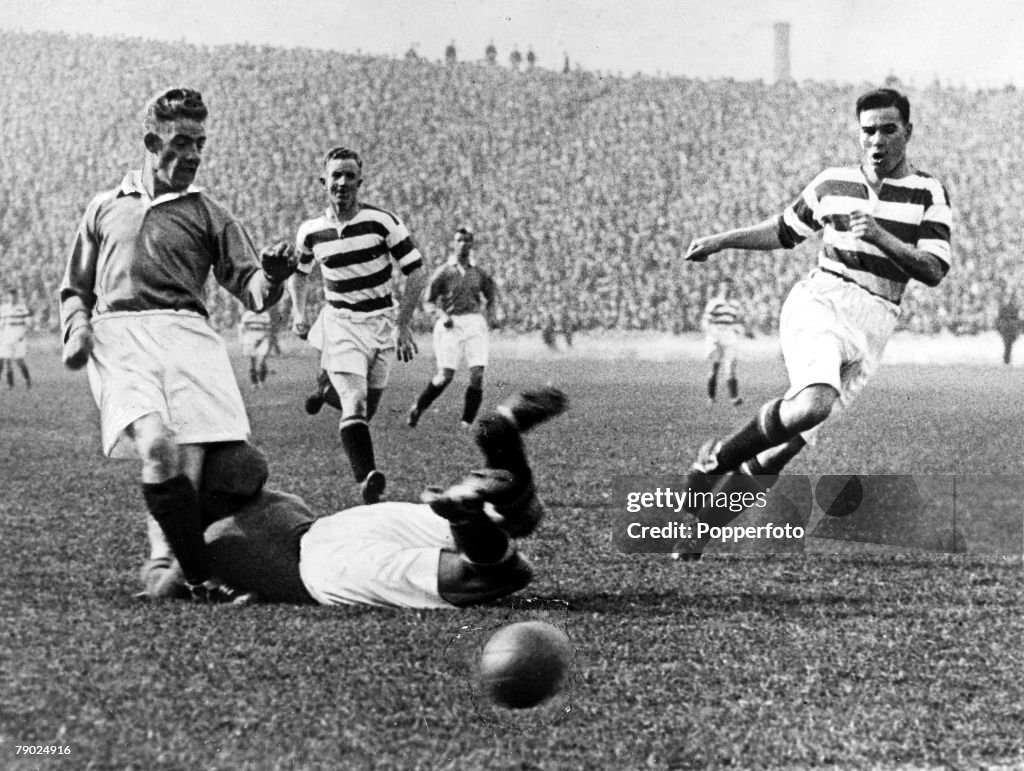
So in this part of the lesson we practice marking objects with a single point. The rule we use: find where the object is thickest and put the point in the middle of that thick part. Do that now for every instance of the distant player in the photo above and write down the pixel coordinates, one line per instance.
(360, 329)
(15, 320)
(464, 295)
(457, 549)
(254, 331)
(1008, 323)
(884, 224)
(133, 310)
(722, 323)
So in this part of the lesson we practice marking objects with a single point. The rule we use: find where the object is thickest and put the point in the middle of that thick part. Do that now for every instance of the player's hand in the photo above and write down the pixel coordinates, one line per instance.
(300, 328)
(700, 249)
(405, 347)
(278, 261)
(865, 227)
(78, 347)
(448, 322)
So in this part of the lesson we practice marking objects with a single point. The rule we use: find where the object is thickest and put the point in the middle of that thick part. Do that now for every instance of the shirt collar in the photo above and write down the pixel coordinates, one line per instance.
(132, 185)
(453, 261)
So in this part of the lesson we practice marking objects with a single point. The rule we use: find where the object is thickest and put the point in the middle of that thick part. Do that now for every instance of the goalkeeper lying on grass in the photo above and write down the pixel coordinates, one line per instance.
(453, 550)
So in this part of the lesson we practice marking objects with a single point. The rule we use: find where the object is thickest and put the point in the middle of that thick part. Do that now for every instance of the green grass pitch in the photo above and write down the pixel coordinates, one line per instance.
(857, 657)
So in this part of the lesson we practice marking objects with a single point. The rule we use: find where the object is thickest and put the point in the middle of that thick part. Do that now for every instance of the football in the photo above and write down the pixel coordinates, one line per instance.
(525, 663)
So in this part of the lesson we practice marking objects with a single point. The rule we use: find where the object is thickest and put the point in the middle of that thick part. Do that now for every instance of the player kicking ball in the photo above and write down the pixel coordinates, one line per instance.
(883, 223)
(455, 549)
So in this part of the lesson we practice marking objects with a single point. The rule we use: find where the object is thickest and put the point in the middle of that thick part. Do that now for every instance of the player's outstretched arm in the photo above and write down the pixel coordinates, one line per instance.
(764, 236)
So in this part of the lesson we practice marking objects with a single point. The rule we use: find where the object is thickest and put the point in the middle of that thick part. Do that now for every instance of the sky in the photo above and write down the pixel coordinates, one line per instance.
(976, 44)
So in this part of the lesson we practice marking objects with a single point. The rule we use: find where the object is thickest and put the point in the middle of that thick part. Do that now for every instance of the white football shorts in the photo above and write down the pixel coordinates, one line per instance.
(468, 336)
(255, 344)
(167, 362)
(386, 554)
(833, 332)
(720, 343)
(360, 346)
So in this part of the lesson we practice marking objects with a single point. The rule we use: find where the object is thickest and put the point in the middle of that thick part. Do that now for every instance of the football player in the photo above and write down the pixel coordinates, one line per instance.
(361, 327)
(133, 309)
(722, 325)
(884, 223)
(455, 549)
(254, 333)
(15, 318)
(464, 295)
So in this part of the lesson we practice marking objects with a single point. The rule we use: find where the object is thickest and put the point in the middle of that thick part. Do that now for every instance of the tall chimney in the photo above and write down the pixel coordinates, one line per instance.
(782, 52)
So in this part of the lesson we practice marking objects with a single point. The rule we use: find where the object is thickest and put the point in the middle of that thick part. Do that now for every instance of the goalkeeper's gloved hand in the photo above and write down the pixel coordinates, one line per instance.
(278, 261)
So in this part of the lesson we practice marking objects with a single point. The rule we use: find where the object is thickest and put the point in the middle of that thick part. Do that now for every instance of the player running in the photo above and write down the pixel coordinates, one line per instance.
(456, 549)
(132, 308)
(360, 329)
(15, 319)
(465, 295)
(722, 325)
(254, 333)
(884, 224)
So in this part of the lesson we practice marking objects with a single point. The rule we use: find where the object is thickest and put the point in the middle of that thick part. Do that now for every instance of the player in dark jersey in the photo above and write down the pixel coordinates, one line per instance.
(458, 548)
(133, 310)
(464, 295)
(884, 224)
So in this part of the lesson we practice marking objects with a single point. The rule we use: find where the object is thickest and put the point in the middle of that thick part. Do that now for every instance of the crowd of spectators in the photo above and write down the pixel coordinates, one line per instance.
(584, 189)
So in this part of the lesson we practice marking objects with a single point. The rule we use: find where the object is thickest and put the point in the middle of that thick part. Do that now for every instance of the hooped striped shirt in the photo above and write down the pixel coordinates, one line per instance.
(720, 312)
(355, 257)
(14, 320)
(914, 208)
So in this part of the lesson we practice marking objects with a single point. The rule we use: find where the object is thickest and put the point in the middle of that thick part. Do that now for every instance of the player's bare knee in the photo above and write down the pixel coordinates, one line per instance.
(160, 456)
(443, 377)
(809, 407)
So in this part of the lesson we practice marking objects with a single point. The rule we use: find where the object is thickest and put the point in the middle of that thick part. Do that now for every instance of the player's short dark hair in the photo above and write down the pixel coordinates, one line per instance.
(341, 153)
(174, 104)
(466, 231)
(884, 97)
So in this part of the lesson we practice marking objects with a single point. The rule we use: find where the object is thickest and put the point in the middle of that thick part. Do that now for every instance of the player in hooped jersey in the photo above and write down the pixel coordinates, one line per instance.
(464, 294)
(254, 333)
(722, 325)
(132, 310)
(15, 318)
(360, 328)
(884, 223)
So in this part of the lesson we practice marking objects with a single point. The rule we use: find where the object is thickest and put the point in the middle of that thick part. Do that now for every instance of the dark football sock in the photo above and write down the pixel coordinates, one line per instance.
(763, 432)
(355, 439)
(174, 504)
(254, 376)
(474, 396)
(263, 372)
(24, 371)
(501, 444)
(734, 387)
(427, 396)
(771, 462)
(713, 382)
